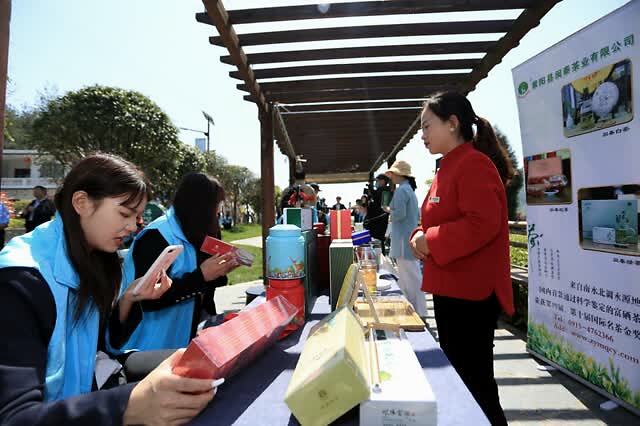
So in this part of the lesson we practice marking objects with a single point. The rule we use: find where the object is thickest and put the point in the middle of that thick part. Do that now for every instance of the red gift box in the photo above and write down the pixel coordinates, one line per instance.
(212, 245)
(215, 246)
(219, 352)
(340, 224)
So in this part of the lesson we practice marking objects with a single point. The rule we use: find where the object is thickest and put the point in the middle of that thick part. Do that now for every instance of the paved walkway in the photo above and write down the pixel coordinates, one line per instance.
(528, 394)
(254, 242)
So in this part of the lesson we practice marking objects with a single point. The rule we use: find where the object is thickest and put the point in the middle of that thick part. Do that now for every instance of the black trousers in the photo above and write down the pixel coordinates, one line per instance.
(466, 331)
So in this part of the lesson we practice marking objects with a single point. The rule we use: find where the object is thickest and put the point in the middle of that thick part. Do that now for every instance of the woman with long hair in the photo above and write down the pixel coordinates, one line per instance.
(464, 241)
(58, 285)
(171, 321)
(404, 219)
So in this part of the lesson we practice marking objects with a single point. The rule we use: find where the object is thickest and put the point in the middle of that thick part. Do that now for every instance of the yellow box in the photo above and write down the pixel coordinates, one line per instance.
(332, 374)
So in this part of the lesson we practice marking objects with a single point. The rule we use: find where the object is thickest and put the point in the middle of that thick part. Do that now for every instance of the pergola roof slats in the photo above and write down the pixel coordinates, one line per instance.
(371, 31)
(366, 52)
(365, 8)
(393, 66)
(529, 18)
(346, 118)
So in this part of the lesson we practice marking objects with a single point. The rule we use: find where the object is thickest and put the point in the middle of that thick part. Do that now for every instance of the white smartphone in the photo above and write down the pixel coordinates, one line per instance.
(162, 263)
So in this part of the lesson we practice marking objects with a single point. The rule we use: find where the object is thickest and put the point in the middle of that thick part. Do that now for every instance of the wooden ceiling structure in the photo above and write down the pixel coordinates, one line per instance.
(347, 119)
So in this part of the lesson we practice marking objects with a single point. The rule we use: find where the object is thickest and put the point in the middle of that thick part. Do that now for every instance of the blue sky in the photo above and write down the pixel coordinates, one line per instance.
(157, 48)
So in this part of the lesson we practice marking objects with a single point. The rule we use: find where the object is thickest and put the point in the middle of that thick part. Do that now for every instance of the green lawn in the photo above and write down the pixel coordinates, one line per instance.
(242, 274)
(519, 256)
(241, 232)
(16, 223)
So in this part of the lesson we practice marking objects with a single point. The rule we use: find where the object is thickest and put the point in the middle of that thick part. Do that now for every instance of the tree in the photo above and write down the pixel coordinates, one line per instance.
(19, 121)
(253, 196)
(235, 180)
(18, 127)
(116, 121)
(515, 185)
(190, 160)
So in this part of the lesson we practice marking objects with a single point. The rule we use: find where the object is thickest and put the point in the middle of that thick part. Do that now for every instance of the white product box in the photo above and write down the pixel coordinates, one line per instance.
(404, 396)
(604, 235)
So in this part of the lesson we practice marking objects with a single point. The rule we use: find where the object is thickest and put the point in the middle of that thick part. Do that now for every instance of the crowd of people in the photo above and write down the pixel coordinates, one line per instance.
(68, 299)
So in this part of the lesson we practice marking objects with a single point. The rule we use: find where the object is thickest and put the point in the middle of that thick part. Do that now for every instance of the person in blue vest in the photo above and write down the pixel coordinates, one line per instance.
(57, 290)
(171, 321)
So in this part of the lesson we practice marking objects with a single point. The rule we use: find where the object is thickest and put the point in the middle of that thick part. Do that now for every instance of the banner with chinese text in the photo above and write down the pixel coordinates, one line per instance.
(579, 108)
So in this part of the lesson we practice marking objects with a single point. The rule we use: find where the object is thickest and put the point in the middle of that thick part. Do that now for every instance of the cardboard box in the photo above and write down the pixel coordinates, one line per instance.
(331, 376)
(361, 237)
(302, 217)
(340, 258)
(220, 351)
(405, 396)
(340, 224)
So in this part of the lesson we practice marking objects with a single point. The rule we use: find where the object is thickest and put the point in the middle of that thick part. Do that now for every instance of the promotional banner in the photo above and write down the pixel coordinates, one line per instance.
(579, 107)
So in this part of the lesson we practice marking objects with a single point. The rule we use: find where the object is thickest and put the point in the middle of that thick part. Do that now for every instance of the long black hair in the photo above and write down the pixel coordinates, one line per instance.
(100, 176)
(446, 104)
(196, 205)
(412, 182)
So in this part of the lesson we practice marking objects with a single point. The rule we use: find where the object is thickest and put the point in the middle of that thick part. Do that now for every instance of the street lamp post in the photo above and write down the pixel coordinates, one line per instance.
(208, 132)
(209, 124)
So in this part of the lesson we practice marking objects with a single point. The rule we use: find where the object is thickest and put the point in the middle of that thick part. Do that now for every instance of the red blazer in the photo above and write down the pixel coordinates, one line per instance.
(465, 221)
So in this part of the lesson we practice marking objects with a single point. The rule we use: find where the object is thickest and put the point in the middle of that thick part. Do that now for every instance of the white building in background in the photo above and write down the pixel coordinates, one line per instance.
(201, 144)
(22, 169)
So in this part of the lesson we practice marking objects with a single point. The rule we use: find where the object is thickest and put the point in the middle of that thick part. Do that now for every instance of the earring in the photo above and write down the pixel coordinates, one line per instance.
(451, 129)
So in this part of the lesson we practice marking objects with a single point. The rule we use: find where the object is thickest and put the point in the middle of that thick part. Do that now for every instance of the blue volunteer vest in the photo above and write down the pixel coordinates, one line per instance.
(71, 353)
(168, 328)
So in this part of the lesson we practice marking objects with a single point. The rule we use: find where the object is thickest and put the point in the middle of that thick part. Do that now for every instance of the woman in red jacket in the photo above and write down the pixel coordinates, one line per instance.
(464, 241)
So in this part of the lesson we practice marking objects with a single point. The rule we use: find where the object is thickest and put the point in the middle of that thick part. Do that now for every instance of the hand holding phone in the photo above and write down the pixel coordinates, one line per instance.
(153, 276)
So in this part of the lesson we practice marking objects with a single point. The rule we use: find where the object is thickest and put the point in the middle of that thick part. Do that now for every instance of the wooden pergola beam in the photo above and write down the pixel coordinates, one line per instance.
(366, 52)
(220, 18)
(394, 66)
(356, 95)
(298, 130)
(295, 110)
(338, 177)
(365, 8)
(277, 118)
(369, 31)
(363, 83)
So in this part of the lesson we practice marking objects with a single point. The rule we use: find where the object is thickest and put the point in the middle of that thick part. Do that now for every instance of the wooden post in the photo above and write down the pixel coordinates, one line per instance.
(267, 182)
(5, 20)
(292, 170)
